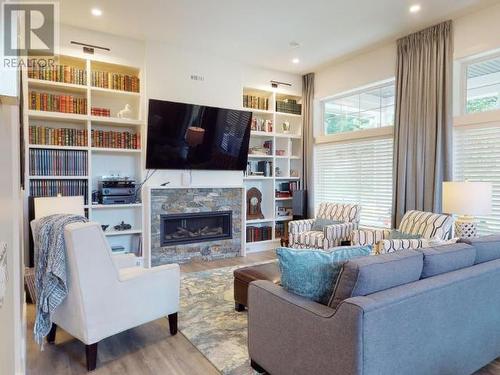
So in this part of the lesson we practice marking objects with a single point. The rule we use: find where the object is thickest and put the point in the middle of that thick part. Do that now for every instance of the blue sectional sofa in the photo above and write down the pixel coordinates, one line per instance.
(432, 311)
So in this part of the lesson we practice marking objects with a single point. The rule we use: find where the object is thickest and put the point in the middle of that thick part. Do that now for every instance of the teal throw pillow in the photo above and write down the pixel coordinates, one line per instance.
(320, 224)
(398, 235)
(312, 273)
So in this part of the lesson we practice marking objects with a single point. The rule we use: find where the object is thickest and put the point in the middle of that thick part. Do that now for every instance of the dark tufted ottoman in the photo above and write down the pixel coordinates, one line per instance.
(244, 276)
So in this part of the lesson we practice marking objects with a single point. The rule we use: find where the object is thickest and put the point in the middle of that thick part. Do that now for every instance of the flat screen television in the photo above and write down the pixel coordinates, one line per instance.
(188, 136)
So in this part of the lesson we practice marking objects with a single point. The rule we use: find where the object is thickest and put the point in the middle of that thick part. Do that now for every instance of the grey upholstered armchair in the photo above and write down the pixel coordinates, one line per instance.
(302, 236)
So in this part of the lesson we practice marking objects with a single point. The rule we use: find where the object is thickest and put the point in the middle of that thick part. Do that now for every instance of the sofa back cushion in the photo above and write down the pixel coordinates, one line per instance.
(447, 258)
(341, 212)
(427, 224)
(487, 247)
(312, 273)
(367, 275)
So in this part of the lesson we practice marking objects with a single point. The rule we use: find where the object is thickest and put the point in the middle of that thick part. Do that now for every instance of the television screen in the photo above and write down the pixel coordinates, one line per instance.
(187, 136)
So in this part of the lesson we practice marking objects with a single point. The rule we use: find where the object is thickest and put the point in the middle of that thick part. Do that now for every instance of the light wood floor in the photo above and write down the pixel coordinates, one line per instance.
(145, 350)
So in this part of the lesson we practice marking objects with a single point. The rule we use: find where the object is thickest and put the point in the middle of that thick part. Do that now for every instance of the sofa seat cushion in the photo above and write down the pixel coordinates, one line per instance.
(487, 247)
(443, 259)
(312, 273)
(367, 275)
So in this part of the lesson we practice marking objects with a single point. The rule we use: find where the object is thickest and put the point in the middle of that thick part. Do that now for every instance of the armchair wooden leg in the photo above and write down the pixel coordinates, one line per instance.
(91, 353)
(51, 337)
(239, 307)
(172, 322)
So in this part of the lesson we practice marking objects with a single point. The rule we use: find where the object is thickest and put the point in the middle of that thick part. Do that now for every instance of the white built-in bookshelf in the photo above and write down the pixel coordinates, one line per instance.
(97, 161)
(284, 154)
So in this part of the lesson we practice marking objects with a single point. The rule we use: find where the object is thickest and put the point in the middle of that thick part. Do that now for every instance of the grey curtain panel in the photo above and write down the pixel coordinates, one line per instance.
(423, 123)
(307, 135)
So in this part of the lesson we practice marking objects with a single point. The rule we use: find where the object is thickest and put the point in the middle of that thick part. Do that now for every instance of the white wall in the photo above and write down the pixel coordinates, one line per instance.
(475, 33)
(11, 329)
(168, 71)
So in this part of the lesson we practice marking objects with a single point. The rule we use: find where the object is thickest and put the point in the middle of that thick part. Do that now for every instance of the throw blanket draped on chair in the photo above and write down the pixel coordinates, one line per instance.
(50, 269)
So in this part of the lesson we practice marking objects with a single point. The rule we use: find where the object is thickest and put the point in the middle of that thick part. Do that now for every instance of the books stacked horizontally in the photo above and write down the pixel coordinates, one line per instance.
(255, 102)
(57, 163)
(286, 189)
(42, 101)
(42, 135)
(56, 72)
(105, 112)
(112, 139)
(288, 106)
(255, 233)
(115, 81)
(51, 188)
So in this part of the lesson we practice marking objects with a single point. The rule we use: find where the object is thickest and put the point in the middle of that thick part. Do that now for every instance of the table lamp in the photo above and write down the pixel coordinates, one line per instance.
(467, 199)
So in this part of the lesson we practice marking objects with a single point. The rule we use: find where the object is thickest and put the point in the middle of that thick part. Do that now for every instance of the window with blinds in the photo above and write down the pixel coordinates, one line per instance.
(356, 172)
(477, 158)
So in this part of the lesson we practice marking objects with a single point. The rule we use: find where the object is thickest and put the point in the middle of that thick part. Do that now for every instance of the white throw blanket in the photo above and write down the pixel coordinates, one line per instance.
(50, 269)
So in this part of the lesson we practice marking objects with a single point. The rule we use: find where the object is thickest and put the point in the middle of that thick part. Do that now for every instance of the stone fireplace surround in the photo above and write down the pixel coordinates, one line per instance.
(169, 201)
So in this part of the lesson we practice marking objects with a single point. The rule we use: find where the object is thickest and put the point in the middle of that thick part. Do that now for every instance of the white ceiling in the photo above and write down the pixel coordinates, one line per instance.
(258, 32)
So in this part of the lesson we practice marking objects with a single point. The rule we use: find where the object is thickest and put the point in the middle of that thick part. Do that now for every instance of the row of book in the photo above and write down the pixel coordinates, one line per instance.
(112, 139)
(44, 135)
(56, 72)
(255, 102)
(288, 106)
(42, 101)
(105, 112)
(51, 188)
(58, 163)
(115, 81)
(255, 233)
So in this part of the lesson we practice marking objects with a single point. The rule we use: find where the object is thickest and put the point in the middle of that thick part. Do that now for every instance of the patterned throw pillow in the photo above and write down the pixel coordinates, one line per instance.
(320, 224)
(398, 235)
(312, 273)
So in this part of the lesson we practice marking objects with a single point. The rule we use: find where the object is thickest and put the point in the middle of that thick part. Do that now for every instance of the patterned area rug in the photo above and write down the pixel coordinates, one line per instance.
(208, 319)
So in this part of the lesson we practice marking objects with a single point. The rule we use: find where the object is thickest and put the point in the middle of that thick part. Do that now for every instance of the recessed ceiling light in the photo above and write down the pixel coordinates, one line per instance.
(415, 8)
(295, 60)
(96, 12)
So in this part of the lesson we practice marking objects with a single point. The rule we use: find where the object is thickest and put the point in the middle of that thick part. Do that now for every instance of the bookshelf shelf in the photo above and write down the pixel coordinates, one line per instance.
(286, 136)
(116, 150)
(257, 221)
(113, 92)
(127, 232)
(34, 177)
(72, 128)
(57, 116)
(115, 121)
(113, 206)
(41, 84)
(55, 147)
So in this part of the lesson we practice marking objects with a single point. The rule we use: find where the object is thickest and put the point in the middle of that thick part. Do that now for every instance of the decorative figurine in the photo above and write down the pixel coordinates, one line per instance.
(125, 113)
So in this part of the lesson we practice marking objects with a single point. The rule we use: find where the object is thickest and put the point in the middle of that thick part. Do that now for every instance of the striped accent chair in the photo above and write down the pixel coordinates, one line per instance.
(429, 225)
(301, 236)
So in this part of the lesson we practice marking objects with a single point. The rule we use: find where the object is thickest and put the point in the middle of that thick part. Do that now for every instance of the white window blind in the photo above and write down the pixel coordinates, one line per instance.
(477, 158)
(356, 172)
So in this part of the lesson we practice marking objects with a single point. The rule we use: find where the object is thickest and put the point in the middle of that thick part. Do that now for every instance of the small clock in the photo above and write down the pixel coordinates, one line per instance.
(254, 200)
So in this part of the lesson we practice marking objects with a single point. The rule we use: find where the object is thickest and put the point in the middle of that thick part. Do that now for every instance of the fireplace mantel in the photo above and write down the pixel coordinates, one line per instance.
(165, 201)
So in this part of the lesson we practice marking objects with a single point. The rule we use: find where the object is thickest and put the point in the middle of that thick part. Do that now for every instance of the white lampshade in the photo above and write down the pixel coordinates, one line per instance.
(467, 198)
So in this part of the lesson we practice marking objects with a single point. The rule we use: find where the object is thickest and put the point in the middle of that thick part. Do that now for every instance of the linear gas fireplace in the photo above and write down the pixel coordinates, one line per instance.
(195, 227)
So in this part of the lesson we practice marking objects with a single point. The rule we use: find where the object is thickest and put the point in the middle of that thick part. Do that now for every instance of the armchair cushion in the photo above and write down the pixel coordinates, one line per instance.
(367, 275)
(320, 223)
(312, 273)
(398, 235)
